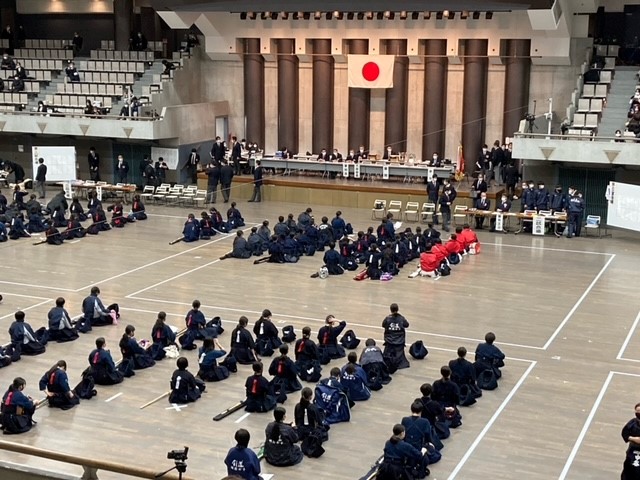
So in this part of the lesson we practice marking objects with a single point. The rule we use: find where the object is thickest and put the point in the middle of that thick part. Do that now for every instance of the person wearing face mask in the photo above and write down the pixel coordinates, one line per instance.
(631, 435)
(511, 176)
(504, 206)
(351, 157)
(528, 196)
(361, 154)
(388, 153)
(483, 163)
(575, 209)
(483, 204)
(480, 186)
(323, 157)
(435, 160)
(558, 200)
(433, 193)
(217, 151)
(542, 197)
(335, 156)
(497, 159)
(618, 136)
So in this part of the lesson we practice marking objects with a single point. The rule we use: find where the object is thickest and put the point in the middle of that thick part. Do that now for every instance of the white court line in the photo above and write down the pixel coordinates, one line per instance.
(578, 303)
(583, 432)
(49, 300)
(528, 247)
(25, 296)
(153, 263)
(370, 326)
(628, 339)
(241, 419)
(114, 397)
(44, 287)
(492, 420)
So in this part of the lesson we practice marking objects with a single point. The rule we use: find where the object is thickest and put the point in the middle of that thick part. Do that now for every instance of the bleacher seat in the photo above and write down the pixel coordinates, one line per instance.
(583, 105)
(589, 90)
(579, 120)
(605, 76)
(601, 90)
(596, 105)
(591, 120)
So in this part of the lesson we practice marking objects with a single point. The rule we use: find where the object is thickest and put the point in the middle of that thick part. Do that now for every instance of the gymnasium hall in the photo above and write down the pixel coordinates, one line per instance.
(331, 106)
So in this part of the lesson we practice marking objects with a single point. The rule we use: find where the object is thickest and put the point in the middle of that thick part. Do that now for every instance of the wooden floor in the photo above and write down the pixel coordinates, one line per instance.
(564, 311)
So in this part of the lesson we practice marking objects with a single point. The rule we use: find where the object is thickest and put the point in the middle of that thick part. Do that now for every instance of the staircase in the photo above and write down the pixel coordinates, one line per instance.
(150, 77)
(50, 89)
(614, 116)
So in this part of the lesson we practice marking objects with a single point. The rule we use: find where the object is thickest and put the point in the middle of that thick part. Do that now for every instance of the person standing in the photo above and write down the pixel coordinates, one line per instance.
(41, 177)
(236, 154)
(213, 173)
(445, 208)
(226, 177)
(575, 209)
(149, 173)
(631, 435)
(257, 183)
(433, 192)
(161, 170)
(218, 150)
(94, 164)
(122, 170)
(192, 165)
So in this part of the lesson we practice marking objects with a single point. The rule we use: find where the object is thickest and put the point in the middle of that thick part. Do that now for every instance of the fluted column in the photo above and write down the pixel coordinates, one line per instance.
(288, 94)
(517, 62)
(474, 102)
(359, 103)
(253, 92)
(395, 114)
(435, 98)
(323, 79)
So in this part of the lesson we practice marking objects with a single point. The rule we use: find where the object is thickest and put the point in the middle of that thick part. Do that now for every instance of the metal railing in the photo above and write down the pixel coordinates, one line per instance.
(585, 138)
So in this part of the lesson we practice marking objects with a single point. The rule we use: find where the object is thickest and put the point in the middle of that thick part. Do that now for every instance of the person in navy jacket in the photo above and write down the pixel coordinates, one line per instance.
(241, 461)
(102, 368)
(17, 409)
(55, 383)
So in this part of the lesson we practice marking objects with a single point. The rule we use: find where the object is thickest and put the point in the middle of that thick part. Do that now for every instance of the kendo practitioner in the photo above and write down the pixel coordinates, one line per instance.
(332, 398)
(16, 413)
(308, 418)
(395, 326)
(332, 260)
(280, 447)
(93, 202)
(117, 214)
(209, 370)
(206, 227)
(58, 219)
(241, 461)
(197, 327)
(101, 366)
(17, 229)
(242, 345)
(446, 391)
(307, 357)
(488, 355)
(55, 383)
(100, 223)
(23, 338)
(37, 223)
(58, 202)
(60, 327)
(185, 387)
(137, 209)
(328, 334)
(132, 353)
(284, 372)
(463, 373)
(631, 435)
(400, 457)
(191, 230)
(162, 336)
(354, 379)
(74, 229)
(76, 209)
(95, 315)
(260, 397)
(266, 333)
(418, 430)
(372, 362)
(305, 219)
(373, 262)
(234, 217)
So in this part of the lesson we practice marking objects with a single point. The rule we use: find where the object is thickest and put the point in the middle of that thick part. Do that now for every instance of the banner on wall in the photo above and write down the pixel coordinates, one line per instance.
(370, 71)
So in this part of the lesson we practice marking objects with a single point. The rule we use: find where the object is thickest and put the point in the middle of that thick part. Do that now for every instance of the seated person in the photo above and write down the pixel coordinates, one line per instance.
(307, 359)
(234, 217)
(23, 338)
(191, 230)
(100, 223)
(95, 315)
(328, 334)
(168, 67)
(432, 410)
(53, 236)
(210, 371)
(373, 262)
(418, 429)
(454, 248)
(503, 206)
(241, 461)
(118, 219)
(445, 390)
(197, 327)
(162, 336)
(354, 379)
(137, 209)
(488, 355)
(37, 223)
(284, 372)
(372, 362)
(76, 209)
(17, 85)
(429, 265)
(260, 397)
(275, 250)
(463, 371)
(7, 62)
(132, 353)
(280, 447)
(332, 399)
(102, 368)
(17, 409)
(339, 226)
(333, 261)
(206, 226)
(17, 229)
(267, 340)
(58, 219)
(467, 236)
(185, 387)
(74, 229)
(243, 347)
(308, 419)
(482, 204)
(400, 457)
(60, 327)
(71, 72)
(241, 249)
(55, 383)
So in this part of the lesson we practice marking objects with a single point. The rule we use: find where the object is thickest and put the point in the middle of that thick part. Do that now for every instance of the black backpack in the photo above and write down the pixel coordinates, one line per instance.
(349, 340)
(312, 445)
(230, 363)
(417, 350)
(445, 270)
(86, 388)
(288, 334)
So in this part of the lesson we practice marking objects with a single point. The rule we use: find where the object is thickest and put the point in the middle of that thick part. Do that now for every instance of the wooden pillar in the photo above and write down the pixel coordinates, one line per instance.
(253, 92)
(435, 98)
(288, 95)
(323, 80)
(359, 103)
(474, 101)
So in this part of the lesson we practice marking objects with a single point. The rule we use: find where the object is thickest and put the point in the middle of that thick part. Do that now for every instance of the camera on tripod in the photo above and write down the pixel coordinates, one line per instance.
(178, 455)
(529, 117)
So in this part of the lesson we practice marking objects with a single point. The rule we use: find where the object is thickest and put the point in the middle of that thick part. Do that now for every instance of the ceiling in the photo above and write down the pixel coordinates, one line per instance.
(345, 5)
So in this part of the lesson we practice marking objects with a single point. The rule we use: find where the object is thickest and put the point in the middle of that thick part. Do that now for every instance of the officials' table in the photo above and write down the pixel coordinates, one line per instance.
(82, 188)
(503, 219)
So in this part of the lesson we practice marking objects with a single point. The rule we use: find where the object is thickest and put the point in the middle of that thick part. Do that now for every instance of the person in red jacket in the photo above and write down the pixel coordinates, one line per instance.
(440, 251)
(454, 247)
(469, 236)
(428, 265)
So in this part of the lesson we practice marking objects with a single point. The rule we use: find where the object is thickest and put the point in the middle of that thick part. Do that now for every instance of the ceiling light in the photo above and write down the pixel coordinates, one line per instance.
(284, 15)
(476, 15)
(403, 15)
(317, 15)
(464, 14)
(427, 15)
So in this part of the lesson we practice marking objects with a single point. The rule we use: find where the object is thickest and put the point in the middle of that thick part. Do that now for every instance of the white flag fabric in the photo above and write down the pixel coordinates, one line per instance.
(371, 71)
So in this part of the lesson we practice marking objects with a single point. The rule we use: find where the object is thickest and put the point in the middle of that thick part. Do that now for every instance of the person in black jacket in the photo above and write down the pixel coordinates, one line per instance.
(217, 151)
(94, 164)
(445, 390)
(236, 154)
(433, 193)
(395, 326)
(122, 170)
(511, 176)
(41, 177)
(18, 84)
(149, 173)
(191, 165)
(266, 334)
(257, 183)
(226, 177)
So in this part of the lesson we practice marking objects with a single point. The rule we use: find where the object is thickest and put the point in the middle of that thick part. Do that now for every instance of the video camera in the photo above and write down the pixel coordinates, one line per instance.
(178, 455)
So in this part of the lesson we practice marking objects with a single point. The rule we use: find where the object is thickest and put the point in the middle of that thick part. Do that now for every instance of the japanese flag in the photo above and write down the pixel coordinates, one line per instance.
(371, 71)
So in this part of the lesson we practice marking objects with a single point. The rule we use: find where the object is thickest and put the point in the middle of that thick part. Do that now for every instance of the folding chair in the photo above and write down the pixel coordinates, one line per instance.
(200, 198)
(379, 206)
(460, 211)
(413, 209)
(174, 194)
(427, 212)
(593, 222)
(147, 192)
(161, 193)
(188, 195)
(395, 207)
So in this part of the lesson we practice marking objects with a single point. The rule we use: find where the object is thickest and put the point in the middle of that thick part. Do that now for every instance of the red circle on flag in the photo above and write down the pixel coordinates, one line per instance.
(370, 71)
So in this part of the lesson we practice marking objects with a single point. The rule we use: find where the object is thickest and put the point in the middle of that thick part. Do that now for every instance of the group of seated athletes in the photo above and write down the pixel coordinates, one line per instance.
(211, 224)
(53, 217)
